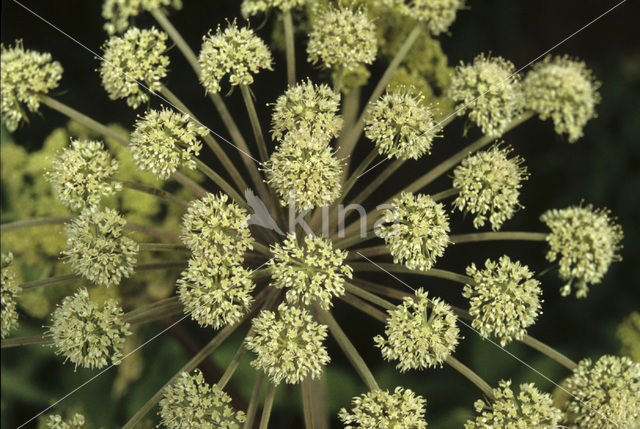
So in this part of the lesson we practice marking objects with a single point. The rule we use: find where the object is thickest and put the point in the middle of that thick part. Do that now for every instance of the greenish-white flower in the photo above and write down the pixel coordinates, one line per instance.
(136, 58)
(55, 421)
(120, 13)
(217, 229)
(438, 15)
(342, 38)
(401, 125)
(312, 107)
(81, 174)
(97, 248)
(565, 91)
(311, 272)
(488, 185)
(164, 140)
(490, 91)
(191, 402)
(380, 409)
(420, 333)
(530, 408)
(504, 299)
(215, 295)
(585, 242)
(254, 7)
(24, 75)
(235, 53)
(604, 394)
(86, 334)
(10, 290)
(288, 344)
(416, 230)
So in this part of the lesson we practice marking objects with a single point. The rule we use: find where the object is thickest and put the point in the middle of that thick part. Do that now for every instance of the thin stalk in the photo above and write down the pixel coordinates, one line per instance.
(365, 307)
(49, 281)
(161, 246)
(549, 352)
(396, 268)
(231, 368)
(290, 47)
(189, 184)
(268, 405)
(379, 180)
(253, 402)
(161, 265)
(255, 122)
(498, 235)
(261, 248)
(372, 298)
(223, 184)
(314, 403)
(150, 230)
(160, 193)
(25, 341)
(337, 80)
(173, 33)
(145, 309)
(369, 252)
(445, 194)
(389, 292)
(20, 224)
(353, 240)
(471, 376)
(350, 107)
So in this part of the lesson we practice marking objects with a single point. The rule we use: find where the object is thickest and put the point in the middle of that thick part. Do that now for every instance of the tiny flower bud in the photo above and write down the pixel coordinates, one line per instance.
(120, 13)
(10, 290)
(55, 421)
(254, 7)
(438, 15)
(402, 409)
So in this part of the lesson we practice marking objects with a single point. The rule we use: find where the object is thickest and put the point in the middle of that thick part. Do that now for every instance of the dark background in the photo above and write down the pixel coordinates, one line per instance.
(601, 168)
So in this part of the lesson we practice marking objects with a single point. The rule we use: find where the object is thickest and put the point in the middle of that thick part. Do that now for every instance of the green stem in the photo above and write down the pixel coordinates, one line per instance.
(24, 341)
(20, 224)
(379, 180)
(255, 122)
(290, 47)
(369, 252)
(160, 193)
(49, 281)
(189, 184)
(445, 194)
(549, 352)
(364, 307)
(353, 240)
(397, 268)
(153, 231)
(173, 33)
(337, 81)
(499, 235)
(372, 298)
(268, 405)
(223, 184)
(356, 174)
(471, 376)
(161, 246)
(253, 402)
(231, 368)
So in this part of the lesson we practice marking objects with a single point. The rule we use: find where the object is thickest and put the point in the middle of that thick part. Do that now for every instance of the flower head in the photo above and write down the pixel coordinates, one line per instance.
(342, 38)
(87, 335)
(81, 174)
(217, 229)
(191, 403)
(119, 13)
(215, 295)
(490, 91)
(288, 344)
(55, 421)
(565, 91)
(438, 15)
(585, 242)
(308, 106)
(237, 53)
(488, 184)
(529, 409)
(10, 290)
(254, 7)
(97, 248)
(136, 58)
(25, 75)
(164, 140)
(400, 125)
(418, 337)
(379, 409)
(313, 271)
(415, 230)
(504, 299)
(604, 394)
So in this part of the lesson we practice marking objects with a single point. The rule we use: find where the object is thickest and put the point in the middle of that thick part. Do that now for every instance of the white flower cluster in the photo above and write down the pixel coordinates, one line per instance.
(119, 13)
(438, 15)
(55, 421)
(380, 409)
(254, 7)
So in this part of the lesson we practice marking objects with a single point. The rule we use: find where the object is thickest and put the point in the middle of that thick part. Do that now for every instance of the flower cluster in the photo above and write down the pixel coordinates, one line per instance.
(343, 39)
(235, 52)
(418, 337)
(604, 394)
(401, 125)
(192, 403)
(585, 242)
(97, 249)
(87, 335)
(254, 7)
(311, 272)
(380, 409)
(119, 13)
(416, 230)
(135, 59)
(490, 91)
(565, 91)
(10, 290)
(24, 75)
(529, 409)
(288, 345)
(164, 140)
(488, 185)
(81, 174)
(438, 15)
(55, 421)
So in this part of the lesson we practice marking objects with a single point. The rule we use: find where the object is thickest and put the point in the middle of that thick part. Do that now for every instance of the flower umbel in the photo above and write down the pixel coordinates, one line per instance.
(119, 13)
(10, 290)
(254, 7)
(437, 14)
(55, 421)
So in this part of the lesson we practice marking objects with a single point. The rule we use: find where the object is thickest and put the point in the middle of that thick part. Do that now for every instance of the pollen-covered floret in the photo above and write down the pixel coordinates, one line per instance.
(25, 75)
(490, 91)
(97, 248)
(10, 291)
(215, 295)
(380, 409)
(288, 344)
(136, 58)
(237, 53)
(438, 15)
(488, 185)
(585, 242)
(81, 174)
(504, 299)
(254, 7)
(119, 13)
(530, 408)
(217, 229)
(164, 140)
(311, 107)
(86, 334)
(401, 125)
(342, 38)
(55, 421)
(311, 272)
(304, 170)
(604, 394)
(416, 230)
(421, 333)
(191, 402)
(565, 91)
